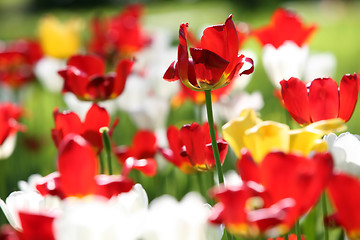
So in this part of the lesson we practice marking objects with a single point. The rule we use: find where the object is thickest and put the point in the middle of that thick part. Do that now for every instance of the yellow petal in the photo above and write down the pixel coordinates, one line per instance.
(234, 130)
(265, 137)
(328, 126)
(303, 140)
(59, 40)
(320, 146)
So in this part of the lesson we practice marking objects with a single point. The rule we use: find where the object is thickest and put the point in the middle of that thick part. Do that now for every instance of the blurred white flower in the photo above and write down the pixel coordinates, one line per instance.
(284, 62)
(46, 71)
(94, 218)
(290, 60)
(345, 150)
(31, 202)
(319, 65)
(187, 219)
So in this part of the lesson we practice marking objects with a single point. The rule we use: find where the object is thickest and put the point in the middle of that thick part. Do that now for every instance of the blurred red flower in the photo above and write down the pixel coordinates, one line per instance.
(274, 194)
(77, 163)
(214, 64)
(84, 77)
(122, 33)
(285, 25)
(322, 99)
(17, 61)
(191, 146)
(140, 155)
(344, 194)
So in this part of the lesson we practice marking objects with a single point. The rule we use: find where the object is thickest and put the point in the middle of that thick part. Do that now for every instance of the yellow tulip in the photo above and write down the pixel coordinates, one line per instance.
(59, 40)
(261, 137)
(234, 130)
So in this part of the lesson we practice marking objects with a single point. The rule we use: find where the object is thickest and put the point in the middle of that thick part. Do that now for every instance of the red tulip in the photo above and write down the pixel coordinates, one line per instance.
(140, 155)
(36, 226)
(214, 64)
(322, 99)
(84, 77)
(69, 122)
(192, 145)
(285, 26)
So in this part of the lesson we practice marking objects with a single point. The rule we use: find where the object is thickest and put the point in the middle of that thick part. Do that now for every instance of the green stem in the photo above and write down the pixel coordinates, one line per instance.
(286, 237)
(101, 161)
(325, 213)
(213, 135)
(107, 147)
(298, 230)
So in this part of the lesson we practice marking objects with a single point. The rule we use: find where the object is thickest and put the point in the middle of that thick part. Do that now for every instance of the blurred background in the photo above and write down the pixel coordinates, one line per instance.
(338, 32)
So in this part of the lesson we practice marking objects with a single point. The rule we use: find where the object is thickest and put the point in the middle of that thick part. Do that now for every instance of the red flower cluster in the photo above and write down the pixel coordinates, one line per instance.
(322, 99)
(84, 77)
(17, 61)
(190, 148)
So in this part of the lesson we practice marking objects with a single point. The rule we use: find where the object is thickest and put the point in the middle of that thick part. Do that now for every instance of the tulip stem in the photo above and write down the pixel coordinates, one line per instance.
(325, 213)
(201, 185)
(107, 147)
(298, 230)
(101, 161)
(213, 135)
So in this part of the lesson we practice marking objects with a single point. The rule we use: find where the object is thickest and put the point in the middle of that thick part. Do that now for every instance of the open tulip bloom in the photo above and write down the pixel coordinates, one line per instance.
(84, 77)
(320, 100)
(212, 65)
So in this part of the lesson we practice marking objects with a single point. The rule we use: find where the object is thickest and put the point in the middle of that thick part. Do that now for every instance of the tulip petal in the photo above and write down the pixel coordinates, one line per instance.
(35, 226)
(77, 163)
(344, 194)
(90, 65)
(349, 89)
(323, 99)
(295, 97)
(222, 40)
(123, 69)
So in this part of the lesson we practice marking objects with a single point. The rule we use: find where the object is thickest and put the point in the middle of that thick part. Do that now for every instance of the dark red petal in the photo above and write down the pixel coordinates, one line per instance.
(222, 147)
(36, 227)
(295, 96)
(77, 163)
(209, 66)
(194, 140)
(171, 73)
(222, 40)
(344, 192)
(123, 69)
(349, 89)
(183, 56)
(323, 99)
(99, 88)
(89, 64)
(247, 168)
(96, 118)
(109, 186)
(65, 123)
